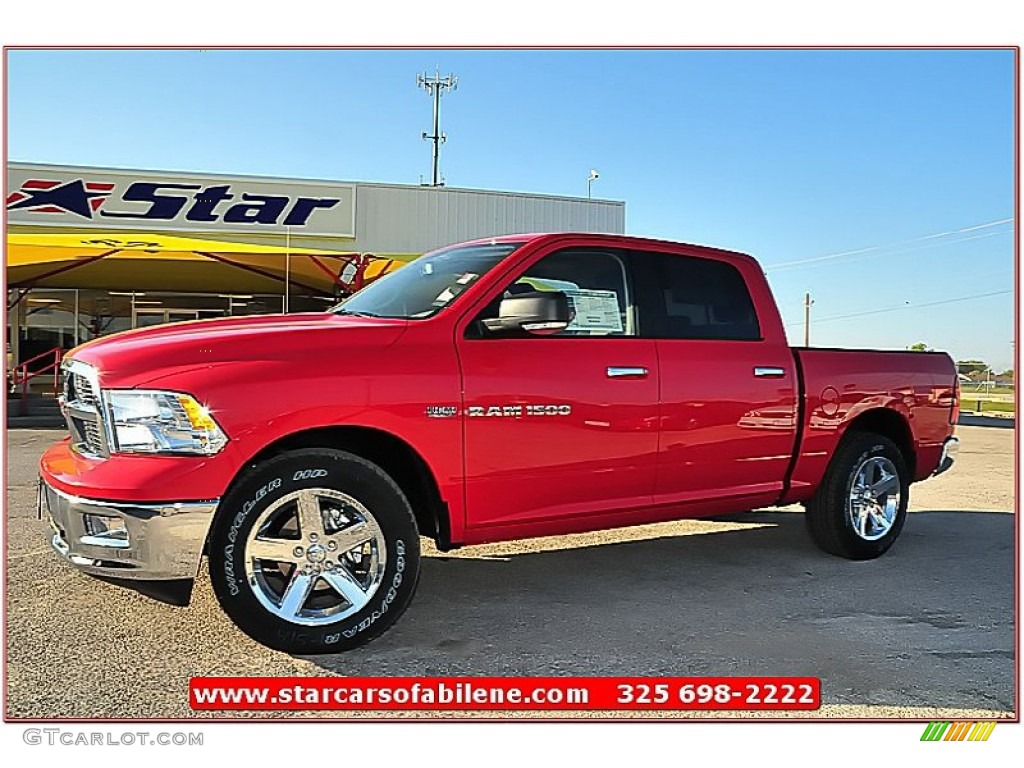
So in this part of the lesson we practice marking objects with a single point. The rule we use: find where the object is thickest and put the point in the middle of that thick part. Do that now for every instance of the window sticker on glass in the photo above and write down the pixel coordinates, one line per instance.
(469, 276)
(549, 284)
(594, 311)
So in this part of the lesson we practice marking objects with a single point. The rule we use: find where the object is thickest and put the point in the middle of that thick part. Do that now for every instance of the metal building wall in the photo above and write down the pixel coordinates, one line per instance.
(396, 219)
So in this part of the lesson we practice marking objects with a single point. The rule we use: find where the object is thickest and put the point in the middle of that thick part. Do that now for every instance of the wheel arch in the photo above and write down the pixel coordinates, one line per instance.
(391, 453)
(891, 424)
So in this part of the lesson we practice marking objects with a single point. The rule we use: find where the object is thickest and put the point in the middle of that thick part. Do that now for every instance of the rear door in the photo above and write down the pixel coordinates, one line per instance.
(728, 387)
(565, 425)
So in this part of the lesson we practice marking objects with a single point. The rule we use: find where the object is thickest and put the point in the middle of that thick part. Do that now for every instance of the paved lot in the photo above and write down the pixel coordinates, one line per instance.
(926, 631)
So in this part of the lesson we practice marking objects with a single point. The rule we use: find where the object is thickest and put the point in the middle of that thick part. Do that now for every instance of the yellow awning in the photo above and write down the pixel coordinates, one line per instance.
(140, 241)
(142, 261)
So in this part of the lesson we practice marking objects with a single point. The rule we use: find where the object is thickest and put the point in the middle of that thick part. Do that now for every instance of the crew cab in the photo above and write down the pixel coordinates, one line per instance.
(500, 389)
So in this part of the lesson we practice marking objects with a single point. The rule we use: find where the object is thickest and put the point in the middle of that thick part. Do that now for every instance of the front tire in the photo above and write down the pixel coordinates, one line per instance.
(861, 505)
(314, 551)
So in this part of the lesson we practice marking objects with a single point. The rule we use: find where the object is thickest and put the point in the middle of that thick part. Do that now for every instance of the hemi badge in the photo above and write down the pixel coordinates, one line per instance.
(442, 411)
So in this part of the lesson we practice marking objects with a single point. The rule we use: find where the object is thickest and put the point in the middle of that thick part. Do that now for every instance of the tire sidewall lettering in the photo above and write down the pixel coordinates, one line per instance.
(309, 474)
(389, 597)
(234, 581)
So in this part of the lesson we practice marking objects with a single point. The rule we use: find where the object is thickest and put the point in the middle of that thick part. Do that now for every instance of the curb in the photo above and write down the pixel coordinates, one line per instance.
(979, 420)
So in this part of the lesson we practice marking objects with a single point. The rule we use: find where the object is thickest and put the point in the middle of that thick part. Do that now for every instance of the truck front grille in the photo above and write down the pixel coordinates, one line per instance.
(92, 438)
(83, 411)
(82, 390)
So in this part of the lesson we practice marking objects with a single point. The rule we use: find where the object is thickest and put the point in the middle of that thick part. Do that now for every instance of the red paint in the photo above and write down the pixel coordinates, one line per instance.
(698, 436)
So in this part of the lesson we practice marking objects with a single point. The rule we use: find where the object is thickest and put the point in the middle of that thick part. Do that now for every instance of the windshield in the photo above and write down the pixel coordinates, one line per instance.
(427, 285)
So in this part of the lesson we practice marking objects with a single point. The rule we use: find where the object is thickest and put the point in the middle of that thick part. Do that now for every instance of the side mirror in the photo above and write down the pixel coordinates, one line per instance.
(540, 313)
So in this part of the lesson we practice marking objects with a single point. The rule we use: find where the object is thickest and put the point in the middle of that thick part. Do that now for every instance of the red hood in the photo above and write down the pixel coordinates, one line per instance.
(132, 358)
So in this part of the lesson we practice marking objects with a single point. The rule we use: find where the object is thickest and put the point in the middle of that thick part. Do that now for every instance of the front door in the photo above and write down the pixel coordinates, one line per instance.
(563, 425)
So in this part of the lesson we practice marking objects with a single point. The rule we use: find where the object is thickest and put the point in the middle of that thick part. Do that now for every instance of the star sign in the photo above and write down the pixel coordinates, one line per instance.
(72, 196)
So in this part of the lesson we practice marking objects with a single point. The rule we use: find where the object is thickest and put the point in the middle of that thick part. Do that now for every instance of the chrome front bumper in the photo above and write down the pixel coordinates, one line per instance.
(125, 540)
(948, 457)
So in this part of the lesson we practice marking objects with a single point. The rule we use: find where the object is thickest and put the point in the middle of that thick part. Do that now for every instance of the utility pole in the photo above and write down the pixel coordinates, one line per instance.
(807, 319)
(436, 86)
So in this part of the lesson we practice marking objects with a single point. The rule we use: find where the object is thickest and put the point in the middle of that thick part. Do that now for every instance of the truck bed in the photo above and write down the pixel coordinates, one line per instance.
(839, 385)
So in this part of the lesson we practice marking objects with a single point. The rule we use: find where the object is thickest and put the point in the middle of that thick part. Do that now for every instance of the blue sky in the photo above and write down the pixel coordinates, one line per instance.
(788, 155)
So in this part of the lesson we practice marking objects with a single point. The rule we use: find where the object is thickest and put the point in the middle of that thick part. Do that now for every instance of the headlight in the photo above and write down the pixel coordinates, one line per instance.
(149, 421)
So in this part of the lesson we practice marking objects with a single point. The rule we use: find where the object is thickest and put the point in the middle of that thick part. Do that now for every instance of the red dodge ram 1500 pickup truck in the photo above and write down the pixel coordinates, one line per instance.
(506, 388)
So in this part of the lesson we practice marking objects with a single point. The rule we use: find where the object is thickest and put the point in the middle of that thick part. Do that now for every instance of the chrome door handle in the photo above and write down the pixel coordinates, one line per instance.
(621, 372)
(769, 371)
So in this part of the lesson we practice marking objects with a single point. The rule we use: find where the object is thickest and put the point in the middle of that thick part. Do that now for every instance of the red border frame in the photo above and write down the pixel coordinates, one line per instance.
(1016, 470)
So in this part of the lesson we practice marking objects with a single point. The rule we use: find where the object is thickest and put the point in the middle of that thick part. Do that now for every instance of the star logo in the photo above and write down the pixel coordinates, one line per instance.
(79, 197)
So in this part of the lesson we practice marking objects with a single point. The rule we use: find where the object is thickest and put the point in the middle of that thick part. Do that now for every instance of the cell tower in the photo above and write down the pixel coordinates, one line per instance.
(436, 85)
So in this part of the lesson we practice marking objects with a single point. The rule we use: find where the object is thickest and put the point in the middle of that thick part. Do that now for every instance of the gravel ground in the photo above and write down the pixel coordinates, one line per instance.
(925, 632)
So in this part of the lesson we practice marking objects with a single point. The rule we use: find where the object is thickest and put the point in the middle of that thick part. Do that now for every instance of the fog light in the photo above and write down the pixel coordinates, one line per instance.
(104, 531)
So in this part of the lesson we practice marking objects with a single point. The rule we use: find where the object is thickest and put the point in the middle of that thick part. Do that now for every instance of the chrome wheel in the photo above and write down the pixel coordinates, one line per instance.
(315, 556)
(874, 499)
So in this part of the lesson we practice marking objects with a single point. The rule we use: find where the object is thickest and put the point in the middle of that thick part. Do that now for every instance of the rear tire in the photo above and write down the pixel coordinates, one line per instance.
(861, 505)
(314, 551)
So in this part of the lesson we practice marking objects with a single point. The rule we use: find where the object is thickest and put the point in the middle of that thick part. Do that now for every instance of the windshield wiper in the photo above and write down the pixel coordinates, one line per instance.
(354, 313)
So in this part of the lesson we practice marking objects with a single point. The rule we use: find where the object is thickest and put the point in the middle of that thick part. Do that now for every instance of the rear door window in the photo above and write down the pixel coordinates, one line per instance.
(689, 297)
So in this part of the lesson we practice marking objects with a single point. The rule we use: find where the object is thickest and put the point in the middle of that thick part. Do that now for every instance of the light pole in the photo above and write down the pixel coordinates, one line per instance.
(590, 180)
(808, 302)
(436, 86)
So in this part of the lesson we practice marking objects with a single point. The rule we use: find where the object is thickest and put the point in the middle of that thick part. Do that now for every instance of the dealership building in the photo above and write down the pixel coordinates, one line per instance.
(93, 251)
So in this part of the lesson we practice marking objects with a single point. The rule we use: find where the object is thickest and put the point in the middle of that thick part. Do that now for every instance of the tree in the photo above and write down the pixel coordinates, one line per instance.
(1007, 374)
(971, 366)
(920, 347)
